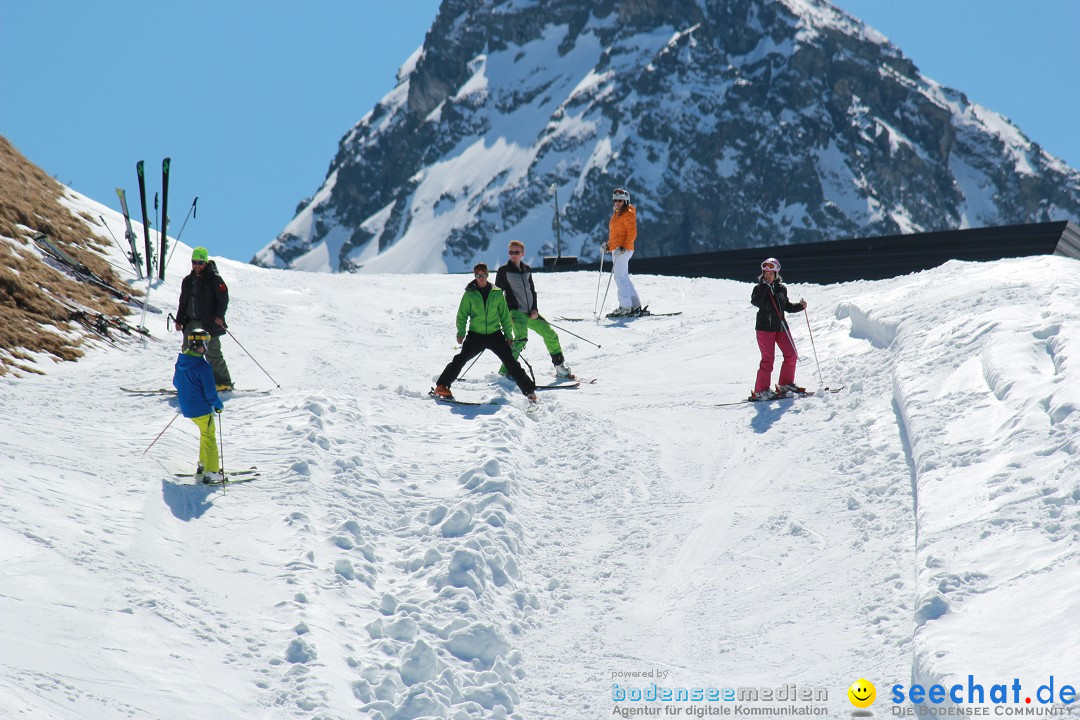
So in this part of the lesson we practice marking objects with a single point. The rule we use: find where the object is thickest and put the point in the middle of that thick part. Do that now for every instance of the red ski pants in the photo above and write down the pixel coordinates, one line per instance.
(767, 342)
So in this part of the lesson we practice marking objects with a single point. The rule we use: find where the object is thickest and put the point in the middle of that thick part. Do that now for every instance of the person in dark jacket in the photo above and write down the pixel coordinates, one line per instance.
(483, 309)
(770, 297)
(199, 401)
(515, 280)
(204, 298)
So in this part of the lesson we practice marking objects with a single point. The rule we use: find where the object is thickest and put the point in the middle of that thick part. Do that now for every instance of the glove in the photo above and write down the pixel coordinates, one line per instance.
(219, 408)
(604, 247)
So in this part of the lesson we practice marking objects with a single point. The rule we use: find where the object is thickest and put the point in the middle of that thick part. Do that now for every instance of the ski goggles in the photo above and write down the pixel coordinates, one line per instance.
(771, 265)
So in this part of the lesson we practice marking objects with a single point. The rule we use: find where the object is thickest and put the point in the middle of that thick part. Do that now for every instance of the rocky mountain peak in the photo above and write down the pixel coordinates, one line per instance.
(733, 123)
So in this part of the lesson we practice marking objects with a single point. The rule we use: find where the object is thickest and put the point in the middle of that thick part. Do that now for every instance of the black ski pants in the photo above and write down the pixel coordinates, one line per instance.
(474, 344)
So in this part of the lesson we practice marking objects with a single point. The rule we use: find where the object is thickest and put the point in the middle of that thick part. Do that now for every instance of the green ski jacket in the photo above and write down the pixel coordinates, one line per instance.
(484, 317)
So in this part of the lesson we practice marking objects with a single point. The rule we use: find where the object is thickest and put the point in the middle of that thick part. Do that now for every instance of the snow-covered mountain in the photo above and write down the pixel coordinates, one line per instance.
(400, 559)
(734, 123)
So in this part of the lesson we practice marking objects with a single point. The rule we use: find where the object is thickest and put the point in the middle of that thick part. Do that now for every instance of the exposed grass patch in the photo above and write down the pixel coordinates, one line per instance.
(34, 321)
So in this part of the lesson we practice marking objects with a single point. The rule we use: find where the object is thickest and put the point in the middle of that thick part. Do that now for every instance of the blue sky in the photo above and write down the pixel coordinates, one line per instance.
(250, 97)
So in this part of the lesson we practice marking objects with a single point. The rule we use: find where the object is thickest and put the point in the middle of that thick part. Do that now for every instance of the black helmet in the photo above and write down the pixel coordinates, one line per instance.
(197, 339)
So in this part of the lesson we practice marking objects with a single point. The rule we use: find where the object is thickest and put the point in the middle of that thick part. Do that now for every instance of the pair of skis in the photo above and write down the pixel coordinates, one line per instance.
(620, 317)
(172, 391)
(102, 324)
(241, 476)
(781, 398)
(454, 401)
(75, 268)
(129, 233)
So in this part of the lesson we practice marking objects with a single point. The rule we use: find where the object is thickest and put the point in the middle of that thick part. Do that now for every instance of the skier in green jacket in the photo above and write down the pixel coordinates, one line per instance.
(483, 308)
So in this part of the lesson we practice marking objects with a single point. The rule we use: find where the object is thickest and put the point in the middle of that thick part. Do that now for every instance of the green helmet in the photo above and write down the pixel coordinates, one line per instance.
(200, 254)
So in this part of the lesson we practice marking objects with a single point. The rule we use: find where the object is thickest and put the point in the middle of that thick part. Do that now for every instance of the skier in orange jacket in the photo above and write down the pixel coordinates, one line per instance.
(622, 231)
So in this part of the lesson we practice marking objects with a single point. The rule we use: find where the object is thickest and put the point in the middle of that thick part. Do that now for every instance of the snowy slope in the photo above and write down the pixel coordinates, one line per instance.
(401, 559)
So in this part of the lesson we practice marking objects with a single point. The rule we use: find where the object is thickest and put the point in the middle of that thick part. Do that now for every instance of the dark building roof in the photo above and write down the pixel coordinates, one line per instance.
(867, 258)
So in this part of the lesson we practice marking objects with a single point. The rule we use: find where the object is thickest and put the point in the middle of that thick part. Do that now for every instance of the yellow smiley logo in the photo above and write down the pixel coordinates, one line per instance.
(862, 693)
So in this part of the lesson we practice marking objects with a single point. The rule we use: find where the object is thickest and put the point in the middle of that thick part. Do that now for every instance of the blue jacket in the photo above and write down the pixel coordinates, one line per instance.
(195, 388)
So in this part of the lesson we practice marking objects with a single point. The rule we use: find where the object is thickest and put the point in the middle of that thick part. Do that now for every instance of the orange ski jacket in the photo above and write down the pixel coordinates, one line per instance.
(622, 229)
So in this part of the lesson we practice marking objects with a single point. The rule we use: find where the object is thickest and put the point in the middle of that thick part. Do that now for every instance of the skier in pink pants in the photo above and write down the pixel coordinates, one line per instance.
(770, 297)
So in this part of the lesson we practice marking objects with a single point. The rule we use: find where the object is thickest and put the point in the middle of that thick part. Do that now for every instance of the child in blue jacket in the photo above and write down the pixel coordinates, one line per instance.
(197, 394)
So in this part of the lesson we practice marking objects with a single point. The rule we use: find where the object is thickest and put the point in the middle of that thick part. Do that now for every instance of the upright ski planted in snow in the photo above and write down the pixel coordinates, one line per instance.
(163, 237)
(148, 247)
(135, 258)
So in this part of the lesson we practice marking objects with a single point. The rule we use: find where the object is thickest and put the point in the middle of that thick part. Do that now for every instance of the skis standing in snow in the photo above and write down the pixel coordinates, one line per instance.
(483, 308)
(163, 228)
(145, 220)
(770, 297)
(199, 401)
(515, 280)
(204, 298)
(622, 231)
(130, 234)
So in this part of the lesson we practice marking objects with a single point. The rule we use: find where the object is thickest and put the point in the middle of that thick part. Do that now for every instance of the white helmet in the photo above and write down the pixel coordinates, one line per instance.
(620, 194)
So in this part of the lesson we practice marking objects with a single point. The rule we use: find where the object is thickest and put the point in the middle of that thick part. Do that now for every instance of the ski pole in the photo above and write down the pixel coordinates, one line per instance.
(470, 367)
(783, 323)
(162, 432)
(531, 373)
(598, 279)
(276, 384)
(177, 238)
(820, 378)
(610, 275)
(145, 302)
(221, 454)
(478, 357)
(568, 332)
(115, 240)
(156, 218)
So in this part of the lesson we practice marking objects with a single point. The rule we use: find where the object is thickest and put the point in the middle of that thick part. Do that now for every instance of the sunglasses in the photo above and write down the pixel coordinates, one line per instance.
(515, 252)
(197, 262)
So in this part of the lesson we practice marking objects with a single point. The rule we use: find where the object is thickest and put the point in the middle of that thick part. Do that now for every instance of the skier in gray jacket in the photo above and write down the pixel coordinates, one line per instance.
(515, 280)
